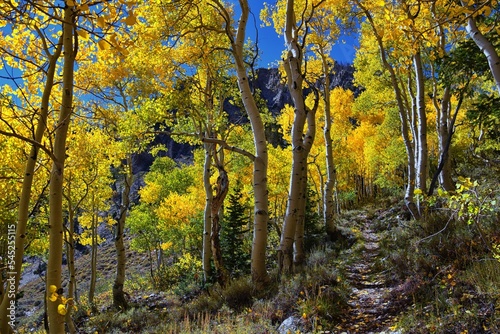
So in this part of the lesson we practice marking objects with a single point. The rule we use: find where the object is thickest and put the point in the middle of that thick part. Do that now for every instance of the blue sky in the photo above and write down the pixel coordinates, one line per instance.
(271, 45)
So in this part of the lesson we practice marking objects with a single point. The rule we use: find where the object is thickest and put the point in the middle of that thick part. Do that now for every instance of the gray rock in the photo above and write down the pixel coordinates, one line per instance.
(289, 325)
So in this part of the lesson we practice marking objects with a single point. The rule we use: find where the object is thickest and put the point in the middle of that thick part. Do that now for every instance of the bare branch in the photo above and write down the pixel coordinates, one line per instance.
(31, 141)
(228, 147)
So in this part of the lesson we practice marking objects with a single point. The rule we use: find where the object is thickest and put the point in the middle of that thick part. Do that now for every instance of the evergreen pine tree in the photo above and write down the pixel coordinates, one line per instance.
(313, 228)
(234, 232)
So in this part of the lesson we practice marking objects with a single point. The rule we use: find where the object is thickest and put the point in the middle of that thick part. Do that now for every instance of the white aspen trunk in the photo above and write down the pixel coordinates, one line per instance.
(293, 228)
(443, 119)
(56, 228)
(93, 257)
(413, 124)
(331, 175)
(261, 211)
(119, 301)
(410, 153)
(443, 122)
(422, 155)
(209, 196)
(24, 201)
(486, 48)
(207, 215)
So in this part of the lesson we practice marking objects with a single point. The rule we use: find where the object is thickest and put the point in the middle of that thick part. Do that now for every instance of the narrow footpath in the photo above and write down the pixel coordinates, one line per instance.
(370, 307)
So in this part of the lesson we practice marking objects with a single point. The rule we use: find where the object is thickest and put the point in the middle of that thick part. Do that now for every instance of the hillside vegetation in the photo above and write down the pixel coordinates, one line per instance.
(155, 180)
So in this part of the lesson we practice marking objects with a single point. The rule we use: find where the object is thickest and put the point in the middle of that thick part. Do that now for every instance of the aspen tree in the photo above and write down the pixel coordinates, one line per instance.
(29, 172)
(56, 229)
(483, 43)
(401, 105)
(260, 160)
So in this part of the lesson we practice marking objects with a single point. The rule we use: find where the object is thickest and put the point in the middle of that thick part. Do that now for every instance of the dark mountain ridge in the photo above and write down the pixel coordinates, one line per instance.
(273, 91)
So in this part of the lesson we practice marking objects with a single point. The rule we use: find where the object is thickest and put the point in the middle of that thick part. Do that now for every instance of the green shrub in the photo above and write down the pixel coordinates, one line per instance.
(182, 276)
(238, 295)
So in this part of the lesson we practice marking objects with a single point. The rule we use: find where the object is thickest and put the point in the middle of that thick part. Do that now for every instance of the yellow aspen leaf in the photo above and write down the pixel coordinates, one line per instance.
(83, 8)
(123, 51)
(130, 20)
(53, 297)
(166, 245)
(101, 22)
(408, 22)
(83, 34)
(52, 288)
(103, 45)
(113, 39)
(61, 309)
(487, 11)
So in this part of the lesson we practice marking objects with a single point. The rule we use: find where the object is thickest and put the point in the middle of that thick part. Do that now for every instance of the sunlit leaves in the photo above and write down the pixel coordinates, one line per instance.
(131, 19)
(170, 203)
(103, 45)
(83, 35)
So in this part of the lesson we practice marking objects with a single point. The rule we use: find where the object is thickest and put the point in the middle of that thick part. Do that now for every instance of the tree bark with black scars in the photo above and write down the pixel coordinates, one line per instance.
(260, 159)
(119, 300)
(221, 190)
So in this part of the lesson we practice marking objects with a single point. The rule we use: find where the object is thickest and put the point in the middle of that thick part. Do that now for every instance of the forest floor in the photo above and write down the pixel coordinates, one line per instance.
(380, 294)
(371, 304)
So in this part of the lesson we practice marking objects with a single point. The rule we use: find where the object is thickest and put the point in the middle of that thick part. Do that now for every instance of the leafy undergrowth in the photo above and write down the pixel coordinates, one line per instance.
(447, 262)
(317, 297)
(386, 274)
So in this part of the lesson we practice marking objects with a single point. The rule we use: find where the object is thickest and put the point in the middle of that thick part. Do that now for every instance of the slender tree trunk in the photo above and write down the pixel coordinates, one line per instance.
(301, 145)
(410, 153)
(444, 154)
(294, 213)
(443, 116)
(221, 190)
(93, 259)
(207, 216)
(56, 227)
(331, 174)
(119, 300)
(70, 259)
(29, 171)
(443, 122)
(260, 163)
(485, 46)
(299, 255)
(422, 163)
(413, 123)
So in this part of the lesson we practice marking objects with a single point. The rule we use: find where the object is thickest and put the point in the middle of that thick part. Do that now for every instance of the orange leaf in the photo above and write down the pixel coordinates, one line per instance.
(103, 45)
(130, 20)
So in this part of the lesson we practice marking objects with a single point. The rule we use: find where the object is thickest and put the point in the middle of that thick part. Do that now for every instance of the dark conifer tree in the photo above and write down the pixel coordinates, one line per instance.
(234, 232)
